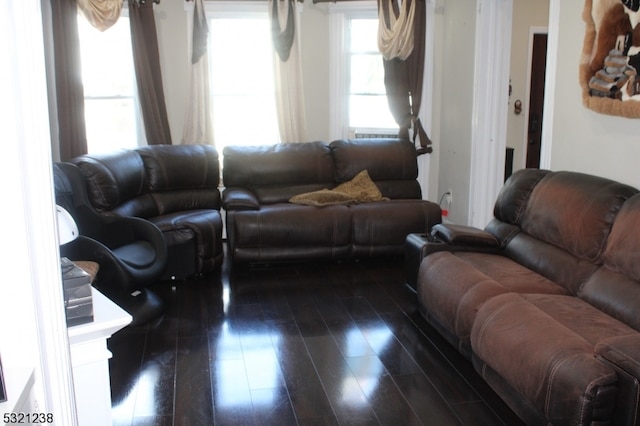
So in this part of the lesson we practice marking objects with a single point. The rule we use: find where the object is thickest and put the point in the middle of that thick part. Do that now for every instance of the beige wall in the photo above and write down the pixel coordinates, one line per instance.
(173, 41)
(454, 78)
(583, 140)
(527, 14)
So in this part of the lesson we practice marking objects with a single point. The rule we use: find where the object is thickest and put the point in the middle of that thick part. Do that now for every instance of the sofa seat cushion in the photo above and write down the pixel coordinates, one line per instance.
(472, 279)
(546, 354)
(592, 324)
(138, 254)
(510, 274)
(291, 230)
(204, 227)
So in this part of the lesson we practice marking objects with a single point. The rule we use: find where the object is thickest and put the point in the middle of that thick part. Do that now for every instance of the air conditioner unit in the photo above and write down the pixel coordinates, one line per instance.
(363, 133)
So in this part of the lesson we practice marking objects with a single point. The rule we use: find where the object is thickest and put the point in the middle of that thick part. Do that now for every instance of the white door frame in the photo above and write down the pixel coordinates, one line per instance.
(490, 104)
(30, 238)
(550, 84)
(490, 107)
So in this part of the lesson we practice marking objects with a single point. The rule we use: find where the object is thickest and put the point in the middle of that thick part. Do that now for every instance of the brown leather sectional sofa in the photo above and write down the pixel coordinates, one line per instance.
(263, 226)
(545, 301)
(175, 187)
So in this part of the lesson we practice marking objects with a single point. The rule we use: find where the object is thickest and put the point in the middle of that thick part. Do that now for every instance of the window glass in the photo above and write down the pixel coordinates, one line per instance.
(112, 114)
(368, 108)
(242, 82)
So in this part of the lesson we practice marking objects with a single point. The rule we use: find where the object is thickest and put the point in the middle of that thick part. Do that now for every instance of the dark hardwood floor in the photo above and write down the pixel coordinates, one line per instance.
(308, 344)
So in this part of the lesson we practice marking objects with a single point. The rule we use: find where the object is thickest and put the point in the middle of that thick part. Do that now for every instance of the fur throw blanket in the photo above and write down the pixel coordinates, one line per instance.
(360, 189)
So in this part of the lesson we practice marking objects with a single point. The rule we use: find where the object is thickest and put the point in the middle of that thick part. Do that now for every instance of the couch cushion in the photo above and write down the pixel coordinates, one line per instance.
(514, 195)
(587, 321)
(275, 173)
(391, 164)
(615, 287)
(281, 164)
(182, 177)
(549, 364)
(511, 275)
(452, 286)
(175, 167)
(117, 181)
(290, 231)
(206, 228)
(550, 261)
(574, 212)
(623, 246)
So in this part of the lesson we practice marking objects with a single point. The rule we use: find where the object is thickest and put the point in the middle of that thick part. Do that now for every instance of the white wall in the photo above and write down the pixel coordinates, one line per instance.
(583, 140)
(455, 76)
(314, 24)
(175, 57)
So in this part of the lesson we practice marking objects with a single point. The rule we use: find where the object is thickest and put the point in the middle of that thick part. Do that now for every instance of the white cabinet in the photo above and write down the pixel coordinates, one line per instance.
(90, 360)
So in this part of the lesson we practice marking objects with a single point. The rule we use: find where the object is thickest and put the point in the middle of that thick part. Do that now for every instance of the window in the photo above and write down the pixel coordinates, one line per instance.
(242, 81)
(367, 95)
(112, 114)
(358, 90)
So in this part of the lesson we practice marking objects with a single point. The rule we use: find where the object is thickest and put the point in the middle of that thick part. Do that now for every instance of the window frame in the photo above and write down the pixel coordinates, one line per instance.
(339, 80)
(140, 135)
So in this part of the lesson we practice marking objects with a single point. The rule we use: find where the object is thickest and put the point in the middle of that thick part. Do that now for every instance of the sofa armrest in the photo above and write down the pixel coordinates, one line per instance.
(239, 199)
(622, 353)
(464, 235)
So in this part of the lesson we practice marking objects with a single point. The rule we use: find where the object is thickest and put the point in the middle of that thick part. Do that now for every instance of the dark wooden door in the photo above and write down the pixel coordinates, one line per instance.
(536, 99)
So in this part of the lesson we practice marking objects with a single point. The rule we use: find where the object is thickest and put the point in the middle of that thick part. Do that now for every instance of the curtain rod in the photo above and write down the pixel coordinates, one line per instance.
(299, 1)
(332, 1)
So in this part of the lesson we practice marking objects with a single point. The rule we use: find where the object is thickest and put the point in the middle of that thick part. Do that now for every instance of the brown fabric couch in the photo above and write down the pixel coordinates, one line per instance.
(175, 187)
(545, 301)
(263, 226)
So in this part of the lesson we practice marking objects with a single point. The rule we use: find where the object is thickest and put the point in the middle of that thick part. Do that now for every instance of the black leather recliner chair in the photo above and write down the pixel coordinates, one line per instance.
(131, 252)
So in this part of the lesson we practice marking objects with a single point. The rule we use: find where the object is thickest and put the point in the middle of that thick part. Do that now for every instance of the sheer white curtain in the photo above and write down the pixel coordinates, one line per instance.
(292, 121)
(198, 128)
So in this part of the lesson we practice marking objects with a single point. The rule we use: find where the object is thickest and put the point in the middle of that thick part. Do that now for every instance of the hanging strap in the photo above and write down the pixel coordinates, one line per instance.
(282, 40)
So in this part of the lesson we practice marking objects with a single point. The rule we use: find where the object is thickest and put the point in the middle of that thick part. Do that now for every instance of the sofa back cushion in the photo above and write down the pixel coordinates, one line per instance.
(391, 164)
(514, 195)
(565, 224)
(615, 287)
(182, 177)
(275, 173)
(116, 182)
(574, 212)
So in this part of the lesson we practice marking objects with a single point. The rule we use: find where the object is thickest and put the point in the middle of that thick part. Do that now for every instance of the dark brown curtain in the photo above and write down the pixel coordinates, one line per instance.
(146, 58)
(68, 77)
(403, 82)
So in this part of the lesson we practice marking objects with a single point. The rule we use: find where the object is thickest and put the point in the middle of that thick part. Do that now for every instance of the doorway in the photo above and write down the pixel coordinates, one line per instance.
(536, 99)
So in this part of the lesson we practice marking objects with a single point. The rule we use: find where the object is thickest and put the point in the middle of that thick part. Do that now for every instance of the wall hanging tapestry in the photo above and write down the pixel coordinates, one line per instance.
(610, 64)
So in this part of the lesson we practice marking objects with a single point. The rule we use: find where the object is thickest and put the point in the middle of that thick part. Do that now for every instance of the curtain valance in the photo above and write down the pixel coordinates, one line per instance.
(102, 14)
(396, 28)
